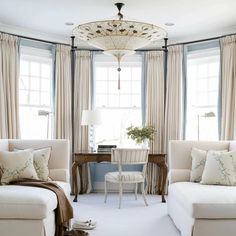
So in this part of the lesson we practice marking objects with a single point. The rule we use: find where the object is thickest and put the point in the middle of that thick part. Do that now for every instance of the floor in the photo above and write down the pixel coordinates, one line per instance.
(134, 219)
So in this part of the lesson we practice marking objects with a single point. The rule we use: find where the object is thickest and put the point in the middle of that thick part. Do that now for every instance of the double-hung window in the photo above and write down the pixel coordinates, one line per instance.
(119, 108)
(202, 91)
(35, 93)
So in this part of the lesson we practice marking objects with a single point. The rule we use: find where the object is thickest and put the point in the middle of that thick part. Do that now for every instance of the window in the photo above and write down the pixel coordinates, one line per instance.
(35, 93)
(202, 94)
(119, 108)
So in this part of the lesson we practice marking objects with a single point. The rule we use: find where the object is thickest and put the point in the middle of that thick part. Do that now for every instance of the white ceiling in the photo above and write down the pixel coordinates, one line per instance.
(194, 19)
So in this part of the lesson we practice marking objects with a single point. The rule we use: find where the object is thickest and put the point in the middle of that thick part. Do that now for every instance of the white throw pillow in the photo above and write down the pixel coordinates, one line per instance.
(220, 168)
(41, 159)
(198, 163)
(15, 165)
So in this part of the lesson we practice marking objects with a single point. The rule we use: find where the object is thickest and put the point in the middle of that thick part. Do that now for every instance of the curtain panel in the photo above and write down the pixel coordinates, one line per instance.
(174, 98)
(63, 93)
(228, 87)
(155, 86)
(9, 93)
(82, 101)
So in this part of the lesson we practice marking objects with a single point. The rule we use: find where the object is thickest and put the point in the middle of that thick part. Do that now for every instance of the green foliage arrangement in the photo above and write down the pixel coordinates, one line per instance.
(139, 134)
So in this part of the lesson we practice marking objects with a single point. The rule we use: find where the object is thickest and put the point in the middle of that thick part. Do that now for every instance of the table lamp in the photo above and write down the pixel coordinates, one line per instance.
(91, 118)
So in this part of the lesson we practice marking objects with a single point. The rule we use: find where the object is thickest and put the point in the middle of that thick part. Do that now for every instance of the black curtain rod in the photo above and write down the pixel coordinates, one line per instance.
(202, 40)
(34, 39)
(96, 50)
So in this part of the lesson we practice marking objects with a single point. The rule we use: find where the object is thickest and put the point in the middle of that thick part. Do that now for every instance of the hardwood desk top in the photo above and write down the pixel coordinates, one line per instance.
(82, 157)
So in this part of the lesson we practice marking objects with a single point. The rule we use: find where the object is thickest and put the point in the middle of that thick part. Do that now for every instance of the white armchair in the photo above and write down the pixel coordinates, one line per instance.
(122, 156)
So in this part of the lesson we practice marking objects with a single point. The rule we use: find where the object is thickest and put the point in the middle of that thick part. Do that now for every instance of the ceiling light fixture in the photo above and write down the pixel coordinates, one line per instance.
(119, 37)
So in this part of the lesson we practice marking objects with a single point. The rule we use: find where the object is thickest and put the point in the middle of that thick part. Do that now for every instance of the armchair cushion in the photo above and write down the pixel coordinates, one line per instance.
(205, 201)
(20, 202)
(127, 176)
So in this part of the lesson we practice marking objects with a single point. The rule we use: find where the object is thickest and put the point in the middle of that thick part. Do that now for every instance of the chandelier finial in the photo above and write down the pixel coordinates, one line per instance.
(119, 5)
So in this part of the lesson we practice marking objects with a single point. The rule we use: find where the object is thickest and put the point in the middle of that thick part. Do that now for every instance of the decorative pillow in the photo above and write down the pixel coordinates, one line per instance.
(15, 165)
(220, 168)
(198, 163)
(41, 159)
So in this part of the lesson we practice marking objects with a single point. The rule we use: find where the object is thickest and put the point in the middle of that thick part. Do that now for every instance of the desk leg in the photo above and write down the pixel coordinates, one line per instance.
(74, 181)
(81, 178)
(164, 176)
(159, 184)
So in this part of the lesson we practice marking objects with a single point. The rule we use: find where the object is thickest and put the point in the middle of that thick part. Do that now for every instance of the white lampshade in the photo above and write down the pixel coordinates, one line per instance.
(91, 117)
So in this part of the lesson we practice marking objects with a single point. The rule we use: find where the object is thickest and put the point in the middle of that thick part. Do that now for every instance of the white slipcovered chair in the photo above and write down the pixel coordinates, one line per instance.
(124, 156)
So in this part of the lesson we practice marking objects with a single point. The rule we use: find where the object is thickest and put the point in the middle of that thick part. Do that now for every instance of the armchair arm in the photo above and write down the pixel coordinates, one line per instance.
(59, 175)
(179, 175)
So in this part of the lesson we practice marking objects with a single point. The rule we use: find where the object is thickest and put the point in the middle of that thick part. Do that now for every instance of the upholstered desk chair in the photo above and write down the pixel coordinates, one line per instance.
(124, 156)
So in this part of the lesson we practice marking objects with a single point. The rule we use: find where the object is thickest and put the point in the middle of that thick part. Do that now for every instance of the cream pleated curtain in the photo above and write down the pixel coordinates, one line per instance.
(63, 93)
(82, 96)
(173, 107)
(9, 77)
(228, 80)
(155, 111)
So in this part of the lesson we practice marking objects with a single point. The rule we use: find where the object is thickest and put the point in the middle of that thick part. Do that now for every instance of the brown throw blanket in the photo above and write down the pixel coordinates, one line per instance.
(64, 210)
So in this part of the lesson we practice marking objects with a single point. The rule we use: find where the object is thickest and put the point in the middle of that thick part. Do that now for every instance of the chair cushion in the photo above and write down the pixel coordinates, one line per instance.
(21, 202)
(205, 201)
(126, 176)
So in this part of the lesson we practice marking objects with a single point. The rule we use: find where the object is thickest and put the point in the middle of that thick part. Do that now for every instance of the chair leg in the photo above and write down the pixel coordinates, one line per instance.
(143, 194)
(136, 191)
(120, 194)
(105, 187)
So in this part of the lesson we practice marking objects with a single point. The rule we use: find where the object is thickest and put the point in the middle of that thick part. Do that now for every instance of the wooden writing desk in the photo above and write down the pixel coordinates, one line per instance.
(81, 158)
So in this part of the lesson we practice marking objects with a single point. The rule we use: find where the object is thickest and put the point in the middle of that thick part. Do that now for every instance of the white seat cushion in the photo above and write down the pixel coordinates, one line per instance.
(21, 202)
(126, 176)
(205, 201)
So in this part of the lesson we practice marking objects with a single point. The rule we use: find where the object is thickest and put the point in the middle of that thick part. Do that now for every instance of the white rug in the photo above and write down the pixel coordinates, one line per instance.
(134, 219)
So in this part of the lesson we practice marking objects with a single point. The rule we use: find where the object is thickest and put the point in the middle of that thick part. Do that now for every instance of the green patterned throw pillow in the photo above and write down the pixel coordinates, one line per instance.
(220, 169)
(41, 159)
(16, 165)
(198, 163)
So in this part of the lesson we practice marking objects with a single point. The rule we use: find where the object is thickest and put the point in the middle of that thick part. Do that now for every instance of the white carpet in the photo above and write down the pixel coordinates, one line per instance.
(134, 219)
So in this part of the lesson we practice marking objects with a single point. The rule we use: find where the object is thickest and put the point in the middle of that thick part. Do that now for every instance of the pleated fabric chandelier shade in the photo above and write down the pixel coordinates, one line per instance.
(119, 37)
